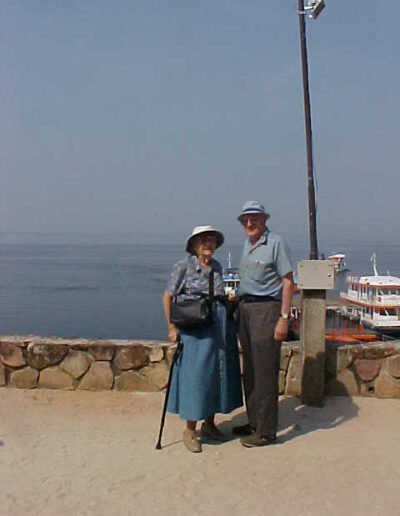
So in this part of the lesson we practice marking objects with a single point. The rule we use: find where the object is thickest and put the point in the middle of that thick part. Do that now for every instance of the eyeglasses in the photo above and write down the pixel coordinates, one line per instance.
(207, 238)
(252, 219)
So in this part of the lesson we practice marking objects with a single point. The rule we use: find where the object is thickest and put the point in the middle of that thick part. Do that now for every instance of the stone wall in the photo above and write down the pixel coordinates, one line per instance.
(69, 364)
(370, 369)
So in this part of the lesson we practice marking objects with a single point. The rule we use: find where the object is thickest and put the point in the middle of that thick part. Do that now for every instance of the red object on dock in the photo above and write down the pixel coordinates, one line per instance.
(351, 338)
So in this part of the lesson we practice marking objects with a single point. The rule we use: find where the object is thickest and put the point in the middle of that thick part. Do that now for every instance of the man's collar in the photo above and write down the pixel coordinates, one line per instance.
(264, 237)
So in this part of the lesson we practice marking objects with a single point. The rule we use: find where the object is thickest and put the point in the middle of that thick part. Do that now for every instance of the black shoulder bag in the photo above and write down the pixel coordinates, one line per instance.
(192, 312)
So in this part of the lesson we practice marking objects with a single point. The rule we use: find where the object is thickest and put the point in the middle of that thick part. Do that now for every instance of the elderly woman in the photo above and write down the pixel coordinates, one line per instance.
(206, 379)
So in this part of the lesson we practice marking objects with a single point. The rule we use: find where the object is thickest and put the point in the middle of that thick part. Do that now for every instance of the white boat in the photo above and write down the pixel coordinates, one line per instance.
(373, 300)
(231, 278)
(338, 260)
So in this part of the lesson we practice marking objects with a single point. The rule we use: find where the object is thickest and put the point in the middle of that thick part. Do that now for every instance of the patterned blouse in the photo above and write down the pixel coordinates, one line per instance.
(189, 280)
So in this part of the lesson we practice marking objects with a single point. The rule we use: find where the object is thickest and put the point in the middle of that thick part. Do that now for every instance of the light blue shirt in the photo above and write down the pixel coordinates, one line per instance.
(263, 266)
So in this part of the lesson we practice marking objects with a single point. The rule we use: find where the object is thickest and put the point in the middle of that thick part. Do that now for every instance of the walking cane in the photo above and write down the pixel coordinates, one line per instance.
(175, 358)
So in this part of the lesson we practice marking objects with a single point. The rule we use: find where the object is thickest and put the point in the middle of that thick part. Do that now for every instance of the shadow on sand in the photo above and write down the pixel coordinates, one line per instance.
(297, 419)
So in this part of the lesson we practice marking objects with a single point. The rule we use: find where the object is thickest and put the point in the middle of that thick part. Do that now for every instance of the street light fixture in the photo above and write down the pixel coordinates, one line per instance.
(314, 7)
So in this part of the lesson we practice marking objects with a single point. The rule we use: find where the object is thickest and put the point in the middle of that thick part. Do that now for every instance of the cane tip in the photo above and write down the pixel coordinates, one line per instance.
(158, 446)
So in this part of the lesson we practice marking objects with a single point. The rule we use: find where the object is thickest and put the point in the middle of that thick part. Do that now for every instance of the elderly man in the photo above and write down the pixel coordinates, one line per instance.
(265, 296)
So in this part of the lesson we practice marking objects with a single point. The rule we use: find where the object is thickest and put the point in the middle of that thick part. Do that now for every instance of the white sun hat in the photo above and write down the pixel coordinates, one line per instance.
(199, 230)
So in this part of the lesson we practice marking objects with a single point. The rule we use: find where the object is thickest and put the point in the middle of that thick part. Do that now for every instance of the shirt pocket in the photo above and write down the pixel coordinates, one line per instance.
(259, 269)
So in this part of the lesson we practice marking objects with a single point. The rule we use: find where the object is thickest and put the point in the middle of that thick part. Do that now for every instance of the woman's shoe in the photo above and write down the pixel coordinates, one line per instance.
(191, 442)
(211, 433)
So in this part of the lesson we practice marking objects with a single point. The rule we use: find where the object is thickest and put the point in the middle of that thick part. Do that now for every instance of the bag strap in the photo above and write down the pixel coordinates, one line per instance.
(182, 280)
(211, 284)
(211, 293)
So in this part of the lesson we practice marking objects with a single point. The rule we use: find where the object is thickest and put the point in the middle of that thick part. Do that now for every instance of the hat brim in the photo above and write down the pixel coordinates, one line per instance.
(252, 212)
(218, 235)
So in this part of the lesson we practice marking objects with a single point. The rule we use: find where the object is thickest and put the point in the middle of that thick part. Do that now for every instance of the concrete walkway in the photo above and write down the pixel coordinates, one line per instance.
(92, 453)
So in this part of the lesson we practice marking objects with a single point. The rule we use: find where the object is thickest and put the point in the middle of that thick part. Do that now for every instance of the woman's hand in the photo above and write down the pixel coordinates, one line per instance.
(172, 333)
(232, 297)
(172, 329)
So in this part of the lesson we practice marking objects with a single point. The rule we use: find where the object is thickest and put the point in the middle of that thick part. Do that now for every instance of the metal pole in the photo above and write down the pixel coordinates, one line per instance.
(307, 117)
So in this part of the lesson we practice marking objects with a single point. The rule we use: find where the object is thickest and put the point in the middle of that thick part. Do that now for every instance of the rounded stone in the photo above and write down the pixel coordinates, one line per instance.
(41, 355)
(378, 350)
(133, 381)
(393, 364)
(11, 354)
(76, 363)
(386, 386)
(337, 359)
(367, 370)
(55, 378)
(156, 353)
(293, 376)
(131, 357)
(156, 374)
(286, 353)
(25, 378)
(99, 377)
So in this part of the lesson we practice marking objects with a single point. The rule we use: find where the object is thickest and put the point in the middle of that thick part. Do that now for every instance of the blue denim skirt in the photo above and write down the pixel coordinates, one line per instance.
(206, 378)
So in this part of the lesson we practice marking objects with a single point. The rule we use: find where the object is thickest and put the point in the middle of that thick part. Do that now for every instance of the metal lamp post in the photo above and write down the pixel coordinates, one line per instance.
(314, 7)
(315, 276)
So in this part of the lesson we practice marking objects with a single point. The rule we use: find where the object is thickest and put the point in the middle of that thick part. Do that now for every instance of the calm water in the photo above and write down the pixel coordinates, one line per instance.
(112, 291)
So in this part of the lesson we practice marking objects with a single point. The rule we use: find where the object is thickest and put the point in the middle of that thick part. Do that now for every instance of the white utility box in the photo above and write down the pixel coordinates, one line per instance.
(316, 275)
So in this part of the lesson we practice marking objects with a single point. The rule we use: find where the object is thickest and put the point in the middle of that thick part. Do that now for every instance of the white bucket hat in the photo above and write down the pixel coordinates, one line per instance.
(198, 230)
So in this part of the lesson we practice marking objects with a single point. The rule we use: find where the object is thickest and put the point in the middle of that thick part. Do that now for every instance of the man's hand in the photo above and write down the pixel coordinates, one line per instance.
(281, 329)
(172, 333)
(282, 326)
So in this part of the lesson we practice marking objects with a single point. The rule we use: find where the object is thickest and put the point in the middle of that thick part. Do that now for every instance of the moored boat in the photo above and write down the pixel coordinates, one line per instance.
(231, 278)
(373, 300)
(339, 262)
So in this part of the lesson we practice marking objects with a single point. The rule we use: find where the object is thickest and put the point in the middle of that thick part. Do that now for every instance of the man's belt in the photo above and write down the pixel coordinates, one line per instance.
(248, 298)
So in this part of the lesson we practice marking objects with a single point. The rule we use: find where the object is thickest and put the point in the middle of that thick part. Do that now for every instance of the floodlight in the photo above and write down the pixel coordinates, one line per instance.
(314, 7)
(317, 8)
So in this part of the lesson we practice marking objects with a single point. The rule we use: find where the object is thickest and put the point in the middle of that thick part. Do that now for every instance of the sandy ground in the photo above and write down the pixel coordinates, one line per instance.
(92, 453)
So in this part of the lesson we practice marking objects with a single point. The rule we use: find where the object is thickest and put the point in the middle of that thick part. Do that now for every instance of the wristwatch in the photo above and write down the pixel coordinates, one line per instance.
(285, 316)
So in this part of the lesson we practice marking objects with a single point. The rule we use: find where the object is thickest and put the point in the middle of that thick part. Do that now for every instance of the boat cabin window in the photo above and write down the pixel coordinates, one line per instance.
(388, 311)
(389, 292)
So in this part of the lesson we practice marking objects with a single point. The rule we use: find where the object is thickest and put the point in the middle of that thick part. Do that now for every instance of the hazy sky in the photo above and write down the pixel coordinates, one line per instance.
(133, 121)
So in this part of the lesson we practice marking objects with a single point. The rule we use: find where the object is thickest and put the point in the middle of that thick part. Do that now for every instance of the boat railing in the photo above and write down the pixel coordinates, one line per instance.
(352, 279)
(351, 294)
